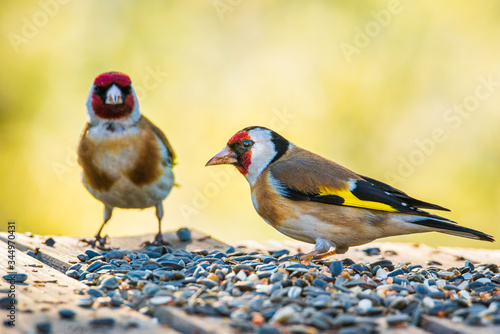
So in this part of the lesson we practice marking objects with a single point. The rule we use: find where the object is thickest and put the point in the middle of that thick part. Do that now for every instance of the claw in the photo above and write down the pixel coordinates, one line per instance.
(90, 242)
(306, 257)
(323, 255)
(158, 241)
(97, 242)
(315, 255)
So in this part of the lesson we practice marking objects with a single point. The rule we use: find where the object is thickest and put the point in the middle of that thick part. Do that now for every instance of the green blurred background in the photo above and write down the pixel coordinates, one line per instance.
(366, 83)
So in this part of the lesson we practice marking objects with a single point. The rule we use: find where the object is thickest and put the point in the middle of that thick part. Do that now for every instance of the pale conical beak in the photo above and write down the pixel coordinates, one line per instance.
(224, 157)
(114, 95)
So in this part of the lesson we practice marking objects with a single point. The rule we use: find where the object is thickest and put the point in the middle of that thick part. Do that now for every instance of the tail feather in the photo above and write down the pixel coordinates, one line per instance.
(451, 228)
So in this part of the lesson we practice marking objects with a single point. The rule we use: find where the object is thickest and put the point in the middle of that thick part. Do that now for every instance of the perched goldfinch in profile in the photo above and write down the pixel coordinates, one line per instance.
(315, 200)
(127, 161)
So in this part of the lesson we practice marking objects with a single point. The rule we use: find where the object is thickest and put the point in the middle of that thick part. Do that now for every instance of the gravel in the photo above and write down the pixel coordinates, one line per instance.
(263, 292)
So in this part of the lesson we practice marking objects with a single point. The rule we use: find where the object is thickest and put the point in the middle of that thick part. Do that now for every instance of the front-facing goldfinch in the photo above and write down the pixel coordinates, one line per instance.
(126, 160)
(315, 200)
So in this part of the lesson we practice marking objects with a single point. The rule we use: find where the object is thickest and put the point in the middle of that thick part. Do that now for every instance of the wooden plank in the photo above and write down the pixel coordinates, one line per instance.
(63, 253)
(40, 301)
(60, 262)
(446, 326)
(403, 330)
(66, 248)
(476, 255)
(189, 323)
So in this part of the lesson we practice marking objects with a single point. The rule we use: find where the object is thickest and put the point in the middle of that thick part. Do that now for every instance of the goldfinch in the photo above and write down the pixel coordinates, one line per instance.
(126, 160)
(315, 200)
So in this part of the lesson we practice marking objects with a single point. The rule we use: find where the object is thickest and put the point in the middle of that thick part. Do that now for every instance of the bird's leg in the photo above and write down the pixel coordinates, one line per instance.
(317, 255)
(98, 239)
(158, 241)
(320, 250)
(323, 255)
(159, 215)
(337, 250)
(107, 216)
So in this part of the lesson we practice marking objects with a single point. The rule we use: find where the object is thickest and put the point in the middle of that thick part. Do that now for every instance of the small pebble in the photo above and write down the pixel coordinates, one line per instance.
(114, 255)
(151, 289)
(110, 283)
(95, 265)
(66, 313)
(469, 264)
(83, 257)
(268, 329)
(95, 293)
(50, 242)
(102, 322)
(336, 268)
(7, 302)
(397, 319)
(433, 263)
(283, 314)
(85, 302)
(372, 251)
(73, 274)
(91, 254)
(184, 234)
(294, 292)
(44, 327)
(161, 300)
(275, 291)
(280, 253)
(365, 304)
(381, 274)
(76, 267)
(17, 278)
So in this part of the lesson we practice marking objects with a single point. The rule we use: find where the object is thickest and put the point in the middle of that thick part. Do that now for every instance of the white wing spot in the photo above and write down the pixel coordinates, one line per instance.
(277, 185)
(404, 204)
(352, 184)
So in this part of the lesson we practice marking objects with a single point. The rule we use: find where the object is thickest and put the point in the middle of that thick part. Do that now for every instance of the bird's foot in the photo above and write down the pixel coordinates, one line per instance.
(306, 257)
(316, 255)
(324, 255)
(158, 241)
(96, 242)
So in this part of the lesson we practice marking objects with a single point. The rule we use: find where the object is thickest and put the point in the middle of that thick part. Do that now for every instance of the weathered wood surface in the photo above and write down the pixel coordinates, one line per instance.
(404, 330)
(44, 299)
(189, 323)
(46, 290)
(63, 253)
(446, 326)
(396, 252)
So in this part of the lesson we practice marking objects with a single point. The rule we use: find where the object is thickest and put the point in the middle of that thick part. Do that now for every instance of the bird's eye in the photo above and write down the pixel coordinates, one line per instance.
(247, 143)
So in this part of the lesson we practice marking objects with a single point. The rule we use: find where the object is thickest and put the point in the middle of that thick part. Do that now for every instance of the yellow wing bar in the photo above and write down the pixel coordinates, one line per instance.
(351, 200)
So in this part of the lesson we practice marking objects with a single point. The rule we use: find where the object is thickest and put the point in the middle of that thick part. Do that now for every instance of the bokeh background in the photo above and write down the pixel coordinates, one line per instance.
(374, 85)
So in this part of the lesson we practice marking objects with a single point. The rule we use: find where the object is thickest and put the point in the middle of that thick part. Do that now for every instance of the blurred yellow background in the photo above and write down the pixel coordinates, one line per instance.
(407, 92)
